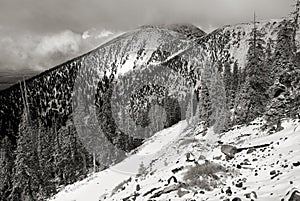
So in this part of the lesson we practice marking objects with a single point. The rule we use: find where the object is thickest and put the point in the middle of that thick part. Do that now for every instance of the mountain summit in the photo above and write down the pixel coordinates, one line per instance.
(91, 112)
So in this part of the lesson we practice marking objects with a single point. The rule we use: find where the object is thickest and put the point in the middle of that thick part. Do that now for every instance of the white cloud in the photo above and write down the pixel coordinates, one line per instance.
(40, 52)
(66, 42)
(104, 33)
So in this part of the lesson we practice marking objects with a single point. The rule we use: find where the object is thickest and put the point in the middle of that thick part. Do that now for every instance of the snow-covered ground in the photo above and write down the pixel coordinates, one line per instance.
(265, 174)
(105, 181)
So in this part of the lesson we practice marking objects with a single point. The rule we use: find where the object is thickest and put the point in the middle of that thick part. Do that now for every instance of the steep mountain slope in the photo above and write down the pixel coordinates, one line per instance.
(71, 105)
(103, 182)
(231, 43)
(266, 173)
(109, 101)
(50, 93)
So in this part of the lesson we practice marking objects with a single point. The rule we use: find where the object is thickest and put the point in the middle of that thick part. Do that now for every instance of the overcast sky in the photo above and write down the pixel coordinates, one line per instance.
(42, 33)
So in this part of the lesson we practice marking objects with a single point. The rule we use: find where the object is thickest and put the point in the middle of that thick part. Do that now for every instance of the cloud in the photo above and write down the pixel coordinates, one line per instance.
(55, 49)
(80, 15)
(40, 52)
(32, 36)
(66, 42)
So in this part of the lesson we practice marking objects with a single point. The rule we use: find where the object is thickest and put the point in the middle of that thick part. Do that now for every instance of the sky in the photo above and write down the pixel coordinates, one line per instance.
(38, 34)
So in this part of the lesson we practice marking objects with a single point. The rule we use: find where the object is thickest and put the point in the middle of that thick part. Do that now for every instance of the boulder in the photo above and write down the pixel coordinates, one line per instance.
(292, 195)
(229, 150)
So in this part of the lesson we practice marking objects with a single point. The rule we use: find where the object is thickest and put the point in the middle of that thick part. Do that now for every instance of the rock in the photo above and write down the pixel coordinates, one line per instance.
(275, 175)
(236, 199)
(246, 162)
(166, 190)
(150, 191)
(239, 185)
(295, 196)
(170, 180)
(251, 195)
(228, 192)
(217, 157)
(201, 157)
(174, 171)
(138, 187)
(181, 193)
(190, 157)
(249, 151)
(285, 166)
(215, 177)
(229, 150)
(273, 172)
(296, 164)
(292, 195)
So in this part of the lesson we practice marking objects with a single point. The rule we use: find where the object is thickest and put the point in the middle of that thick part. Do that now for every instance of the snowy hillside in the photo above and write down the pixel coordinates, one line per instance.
(88, 114)
(231, 42)
(261, 174)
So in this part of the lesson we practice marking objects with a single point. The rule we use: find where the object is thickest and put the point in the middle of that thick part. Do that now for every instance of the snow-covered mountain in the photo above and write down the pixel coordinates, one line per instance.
(231, 42)
(157, 170)
(103, 98)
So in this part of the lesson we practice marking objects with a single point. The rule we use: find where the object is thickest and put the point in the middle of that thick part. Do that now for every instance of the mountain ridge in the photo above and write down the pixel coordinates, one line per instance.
(74, 98)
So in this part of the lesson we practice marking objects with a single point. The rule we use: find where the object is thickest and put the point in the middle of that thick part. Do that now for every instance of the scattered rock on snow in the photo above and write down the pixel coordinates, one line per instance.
(229, 150)
(239, 185)
(228, 191)
(292, 195)
(174, 171)
(251, 195)
(296, 164)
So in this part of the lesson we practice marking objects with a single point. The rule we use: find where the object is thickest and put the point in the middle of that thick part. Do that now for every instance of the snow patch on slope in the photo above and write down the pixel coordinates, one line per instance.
(269, 172)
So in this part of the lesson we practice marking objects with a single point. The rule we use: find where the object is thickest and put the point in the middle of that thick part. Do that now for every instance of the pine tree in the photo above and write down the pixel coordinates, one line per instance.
(6, 168)
(295, 15)
(253, 96)
(269, 60)
(284, 92)
(227, 77)
(275, 111)
(46, 160)
(235, 83)
(188, 113)
(204, 105)
(215, 98)
(26, 179)
(218, 102)
(284, 53)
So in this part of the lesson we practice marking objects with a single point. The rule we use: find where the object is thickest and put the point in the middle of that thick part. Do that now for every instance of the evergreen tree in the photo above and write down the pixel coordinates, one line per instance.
(6, 168)
(204, 105)
(227, 77)
(269, 60)
(235, 83)
(284, 92)
(235, 77)
(276, 109)
(46, 160)
(26, 179)
(218, 103)
(188, 113)
(284, 53)
(295, 15)
(253, 96)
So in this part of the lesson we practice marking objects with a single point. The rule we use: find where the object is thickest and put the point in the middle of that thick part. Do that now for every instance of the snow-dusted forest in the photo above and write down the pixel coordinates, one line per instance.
(161, 112)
